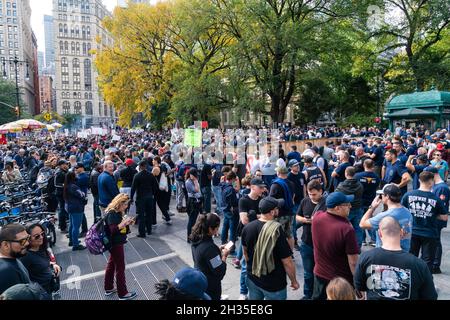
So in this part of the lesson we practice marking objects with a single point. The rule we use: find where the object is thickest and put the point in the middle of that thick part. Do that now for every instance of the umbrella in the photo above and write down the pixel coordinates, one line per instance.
(50, 127)
(10, 127)
(30, 124)
(57, 125)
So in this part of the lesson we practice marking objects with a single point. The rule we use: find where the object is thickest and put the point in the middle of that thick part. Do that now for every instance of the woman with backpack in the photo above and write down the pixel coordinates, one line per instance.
(75, 200)
(117, 226)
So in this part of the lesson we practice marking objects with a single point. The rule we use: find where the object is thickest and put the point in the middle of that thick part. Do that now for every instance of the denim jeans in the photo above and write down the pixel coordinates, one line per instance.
(243, 289)
(256, 293)
(194, 208)
(240, 252)
(355, 218)
(75, 223)
(62, 214)
(97, 212)
(295, 225)
(307, 254)
(181, 200)
(230, 223)
(206, 192)
(217, 190)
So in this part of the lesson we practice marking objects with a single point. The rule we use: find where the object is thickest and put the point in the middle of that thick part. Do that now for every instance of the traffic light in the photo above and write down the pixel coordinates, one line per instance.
(17, 110)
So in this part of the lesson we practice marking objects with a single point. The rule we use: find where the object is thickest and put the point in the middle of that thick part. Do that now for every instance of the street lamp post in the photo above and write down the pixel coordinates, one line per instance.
(16, 62)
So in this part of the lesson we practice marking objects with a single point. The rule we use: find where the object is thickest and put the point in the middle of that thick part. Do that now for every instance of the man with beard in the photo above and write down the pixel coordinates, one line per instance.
(14, 240)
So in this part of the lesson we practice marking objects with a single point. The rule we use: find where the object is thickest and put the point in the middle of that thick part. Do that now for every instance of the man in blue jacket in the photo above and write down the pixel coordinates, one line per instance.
(107, 186)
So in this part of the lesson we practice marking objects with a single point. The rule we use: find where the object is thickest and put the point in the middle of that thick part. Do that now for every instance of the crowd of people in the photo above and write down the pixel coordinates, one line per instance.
(332, 202)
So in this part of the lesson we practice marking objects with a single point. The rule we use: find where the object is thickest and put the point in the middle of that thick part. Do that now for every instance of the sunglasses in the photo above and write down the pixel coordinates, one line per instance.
(39, 235)
(22, 242)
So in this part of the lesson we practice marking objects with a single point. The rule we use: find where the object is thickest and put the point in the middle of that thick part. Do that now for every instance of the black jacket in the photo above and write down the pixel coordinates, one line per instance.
(60, 176)
(93, 182)
(208, 259)
(144, 184)
(127, 174)
(354, 187)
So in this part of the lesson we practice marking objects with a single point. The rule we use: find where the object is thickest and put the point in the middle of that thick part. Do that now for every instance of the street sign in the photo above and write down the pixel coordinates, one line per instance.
(47, 117)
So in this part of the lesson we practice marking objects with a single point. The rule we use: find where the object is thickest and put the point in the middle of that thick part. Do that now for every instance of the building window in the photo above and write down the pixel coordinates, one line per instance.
(77, 107)
(66, 47)
(87, 75)
(105, 110)
(61, 30)
(88, 106)
(77, 31)
(72, 47)
(90, 95)
(88, 32)
(83, 32)
(89, 49)
(66, 32)
(84, 49)
(111, 111)
(100, 109)
(78, 48)
(66, 107)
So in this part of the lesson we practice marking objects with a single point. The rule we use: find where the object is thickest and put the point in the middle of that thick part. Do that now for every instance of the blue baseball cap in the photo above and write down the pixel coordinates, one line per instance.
(293, 163)
(192, 282)
(431, 169)
(338, 198)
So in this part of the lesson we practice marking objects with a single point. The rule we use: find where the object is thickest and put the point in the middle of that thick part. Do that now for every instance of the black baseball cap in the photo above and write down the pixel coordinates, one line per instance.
(79, 165)
(391, 190)
(258, 182)
(267, 204)
(62, 161)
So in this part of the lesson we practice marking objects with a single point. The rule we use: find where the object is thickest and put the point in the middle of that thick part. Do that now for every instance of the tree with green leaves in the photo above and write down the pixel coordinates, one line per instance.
(7, 102)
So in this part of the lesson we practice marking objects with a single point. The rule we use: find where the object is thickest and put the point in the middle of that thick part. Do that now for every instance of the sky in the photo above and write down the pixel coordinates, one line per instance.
(39, 8)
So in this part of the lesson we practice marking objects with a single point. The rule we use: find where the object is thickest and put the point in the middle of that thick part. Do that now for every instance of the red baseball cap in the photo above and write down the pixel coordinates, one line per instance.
(440, 146)
(129, 162)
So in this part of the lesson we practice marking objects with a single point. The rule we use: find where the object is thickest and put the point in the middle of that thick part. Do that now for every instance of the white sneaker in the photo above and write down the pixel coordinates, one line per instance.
(224, 297)
(243, 297)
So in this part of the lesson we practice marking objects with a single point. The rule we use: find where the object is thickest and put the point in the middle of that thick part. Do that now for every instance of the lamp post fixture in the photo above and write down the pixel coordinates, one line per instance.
(16, 63)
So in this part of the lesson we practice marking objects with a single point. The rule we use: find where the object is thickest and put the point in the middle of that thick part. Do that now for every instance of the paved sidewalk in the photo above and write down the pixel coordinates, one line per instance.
(162, 254)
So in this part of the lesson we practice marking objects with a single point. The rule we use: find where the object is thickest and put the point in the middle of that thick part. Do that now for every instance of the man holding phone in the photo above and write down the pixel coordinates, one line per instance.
(308, 207)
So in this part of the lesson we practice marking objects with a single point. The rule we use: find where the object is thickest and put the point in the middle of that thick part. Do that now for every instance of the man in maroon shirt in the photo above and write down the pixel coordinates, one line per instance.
(335, 247)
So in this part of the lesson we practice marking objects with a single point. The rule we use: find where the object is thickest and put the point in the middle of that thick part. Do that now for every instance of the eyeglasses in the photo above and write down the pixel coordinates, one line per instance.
(22, 242)
(39, 235)
(437, 155)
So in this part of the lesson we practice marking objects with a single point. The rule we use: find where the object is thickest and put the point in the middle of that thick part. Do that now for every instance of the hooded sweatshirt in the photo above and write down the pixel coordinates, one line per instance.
(354, 187)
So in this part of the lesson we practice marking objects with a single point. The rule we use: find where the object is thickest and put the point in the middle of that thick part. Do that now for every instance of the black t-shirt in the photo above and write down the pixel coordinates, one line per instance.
(306, 209)
(246, 204)
(12, 272)
(393, 275)
(119, 237)
(299, 181)
(277, 192)
(204, 180)
(370, 182)
(39, 269)
(276, 280)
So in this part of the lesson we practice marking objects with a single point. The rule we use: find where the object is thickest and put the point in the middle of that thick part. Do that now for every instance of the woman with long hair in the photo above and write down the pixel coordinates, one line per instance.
(39, 260)
(75, 200)
(207, 256)
(118, 228)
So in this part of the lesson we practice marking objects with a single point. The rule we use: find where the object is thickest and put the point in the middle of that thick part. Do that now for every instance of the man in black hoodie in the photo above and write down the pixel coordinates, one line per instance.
(351, 186)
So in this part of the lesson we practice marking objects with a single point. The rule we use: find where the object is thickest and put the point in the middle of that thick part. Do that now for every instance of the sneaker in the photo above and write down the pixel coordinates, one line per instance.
(110, 292)
(436, 270)
(305, 298)
(236, 263)
(168, 222)
(243, 297)
(154, 226)
(171, 213)
(82, 235)
(141, 236)
(129, 296)
(67, 235)
(64, 231)
(224, 297)
(70, 244)
(78, 248)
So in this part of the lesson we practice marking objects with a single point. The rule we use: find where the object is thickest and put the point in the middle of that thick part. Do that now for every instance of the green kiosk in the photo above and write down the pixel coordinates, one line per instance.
(428, 108)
